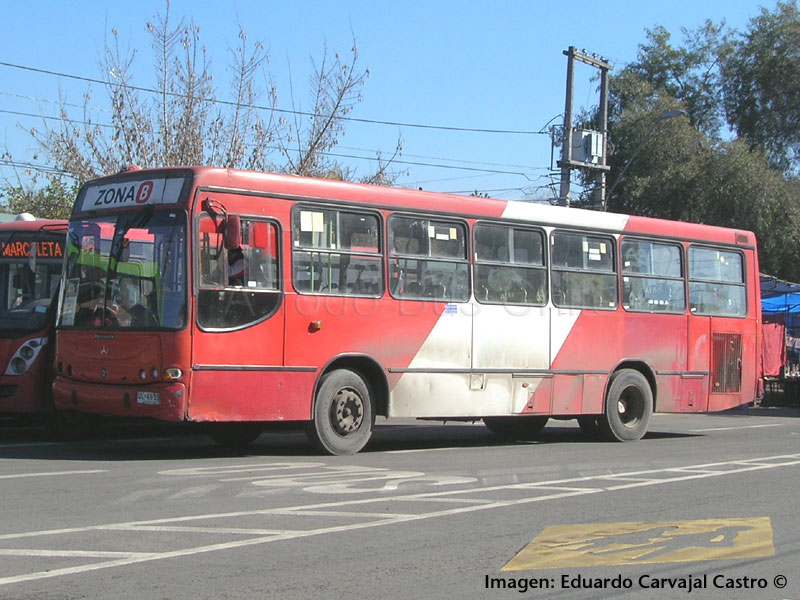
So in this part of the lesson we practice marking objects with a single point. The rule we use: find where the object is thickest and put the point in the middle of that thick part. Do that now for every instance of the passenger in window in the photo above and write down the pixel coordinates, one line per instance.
(237, 267)
(135, 312)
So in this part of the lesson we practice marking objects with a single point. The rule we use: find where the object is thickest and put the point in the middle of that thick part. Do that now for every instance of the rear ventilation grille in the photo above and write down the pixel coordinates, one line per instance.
(726, 357)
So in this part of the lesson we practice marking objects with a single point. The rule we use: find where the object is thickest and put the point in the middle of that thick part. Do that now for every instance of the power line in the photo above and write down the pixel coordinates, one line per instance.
(474, 162)
(335, 154)
(48, 101)
(51, 118)
(33, 167)
(278, 110)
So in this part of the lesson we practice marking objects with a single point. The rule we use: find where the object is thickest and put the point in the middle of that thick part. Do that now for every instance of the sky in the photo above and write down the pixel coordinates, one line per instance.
(441, 73)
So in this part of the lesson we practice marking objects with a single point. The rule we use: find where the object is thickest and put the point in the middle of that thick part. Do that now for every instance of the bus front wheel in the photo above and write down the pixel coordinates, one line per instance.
(629, 405)
(343, 415)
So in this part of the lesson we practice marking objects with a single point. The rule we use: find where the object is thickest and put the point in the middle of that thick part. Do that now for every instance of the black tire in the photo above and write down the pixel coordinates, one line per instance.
(629, 406)
(343, 415)
(234, 435)
(516, 428)
(590, 425)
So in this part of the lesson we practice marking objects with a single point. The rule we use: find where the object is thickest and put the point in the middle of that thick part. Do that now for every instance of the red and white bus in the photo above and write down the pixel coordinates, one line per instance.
(278, 298)
(31, 260)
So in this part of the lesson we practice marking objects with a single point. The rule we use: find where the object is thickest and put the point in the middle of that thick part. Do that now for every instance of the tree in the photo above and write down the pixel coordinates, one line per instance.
(683, 169)
(184, 121)
(689, 74)
(681, 174)
(53, 201)
(762, 79)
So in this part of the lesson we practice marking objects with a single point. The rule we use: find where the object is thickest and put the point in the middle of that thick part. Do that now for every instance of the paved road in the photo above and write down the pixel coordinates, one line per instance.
(703, 507)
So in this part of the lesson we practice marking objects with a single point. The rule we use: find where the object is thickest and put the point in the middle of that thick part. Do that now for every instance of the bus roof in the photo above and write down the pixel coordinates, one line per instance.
(35, 226)
(305, 188)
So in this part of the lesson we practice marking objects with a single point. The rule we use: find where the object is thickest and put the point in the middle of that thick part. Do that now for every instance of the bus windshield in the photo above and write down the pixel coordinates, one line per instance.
(28, 284)
(126, 271)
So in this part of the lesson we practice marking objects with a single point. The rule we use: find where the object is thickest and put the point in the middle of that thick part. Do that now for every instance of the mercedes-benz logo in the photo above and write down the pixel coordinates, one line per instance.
(104, 350)
(103, 373)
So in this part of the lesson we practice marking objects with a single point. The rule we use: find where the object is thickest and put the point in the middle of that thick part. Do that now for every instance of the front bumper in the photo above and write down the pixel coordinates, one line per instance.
(163, 401)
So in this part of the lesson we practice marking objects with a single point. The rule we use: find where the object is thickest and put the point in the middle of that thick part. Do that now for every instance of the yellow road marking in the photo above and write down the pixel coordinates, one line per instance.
(604, 544)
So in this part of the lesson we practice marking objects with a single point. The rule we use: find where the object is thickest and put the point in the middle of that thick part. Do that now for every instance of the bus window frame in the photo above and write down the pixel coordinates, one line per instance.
(196, 274)
(117, 213)
(544, 266)
(380, 255)
(612, 244)
(684, 278)
(390, 255)
(743, 284)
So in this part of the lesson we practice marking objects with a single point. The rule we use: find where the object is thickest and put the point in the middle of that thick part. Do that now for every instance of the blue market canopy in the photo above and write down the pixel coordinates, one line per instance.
(778, 296)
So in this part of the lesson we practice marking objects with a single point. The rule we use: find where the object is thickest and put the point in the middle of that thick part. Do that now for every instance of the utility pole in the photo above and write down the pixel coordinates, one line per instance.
(594, 156)
(600, 177)
(566, 141)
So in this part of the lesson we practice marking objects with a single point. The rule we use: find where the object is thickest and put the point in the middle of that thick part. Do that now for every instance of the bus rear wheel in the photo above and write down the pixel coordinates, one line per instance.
(629, 406)
(515, 428)
(343, 415)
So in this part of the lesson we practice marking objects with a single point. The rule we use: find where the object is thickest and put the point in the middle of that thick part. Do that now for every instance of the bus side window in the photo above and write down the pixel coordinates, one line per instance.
(716, 282)
(241, 285)
(429, 258)
(211, 251)
(652, 276)
(509, 266)
(336, 252)
(583, 271)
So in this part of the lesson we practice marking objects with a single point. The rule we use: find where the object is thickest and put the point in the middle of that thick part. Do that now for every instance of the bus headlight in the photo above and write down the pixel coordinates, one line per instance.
(18, 365)
(25, 356)
(172, 373)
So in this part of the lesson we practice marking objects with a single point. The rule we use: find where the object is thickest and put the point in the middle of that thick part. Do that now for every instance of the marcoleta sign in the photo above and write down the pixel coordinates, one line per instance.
(51, 249)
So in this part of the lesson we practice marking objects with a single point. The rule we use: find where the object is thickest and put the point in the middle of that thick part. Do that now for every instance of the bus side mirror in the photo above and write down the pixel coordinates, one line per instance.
(232, 232)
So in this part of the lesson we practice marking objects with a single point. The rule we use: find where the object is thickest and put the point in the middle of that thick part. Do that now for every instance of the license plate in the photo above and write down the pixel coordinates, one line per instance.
(148, 398)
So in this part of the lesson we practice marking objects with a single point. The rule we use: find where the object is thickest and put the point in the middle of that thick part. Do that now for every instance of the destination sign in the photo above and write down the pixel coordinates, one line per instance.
(131, 192)
(48, 249)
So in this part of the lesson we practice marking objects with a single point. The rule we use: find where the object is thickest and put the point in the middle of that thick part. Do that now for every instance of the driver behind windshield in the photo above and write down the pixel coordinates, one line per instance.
(133, 311)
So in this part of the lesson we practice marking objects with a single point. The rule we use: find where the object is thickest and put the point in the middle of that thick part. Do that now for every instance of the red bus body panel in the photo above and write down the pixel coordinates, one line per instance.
(438, 358)
(29, 393)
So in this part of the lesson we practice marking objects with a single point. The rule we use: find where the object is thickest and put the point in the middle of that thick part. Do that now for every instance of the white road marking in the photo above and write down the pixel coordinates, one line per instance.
(53, 473)
(138, 495)
(553, 490)
(323, 479)
(177, 529)
(73, 553)
(418, 450)
(197, 491)
(738, 427)
(231, 469)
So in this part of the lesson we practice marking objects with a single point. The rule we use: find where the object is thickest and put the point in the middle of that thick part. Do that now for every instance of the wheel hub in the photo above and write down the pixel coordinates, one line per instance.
(630, 408)
(348, 411)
